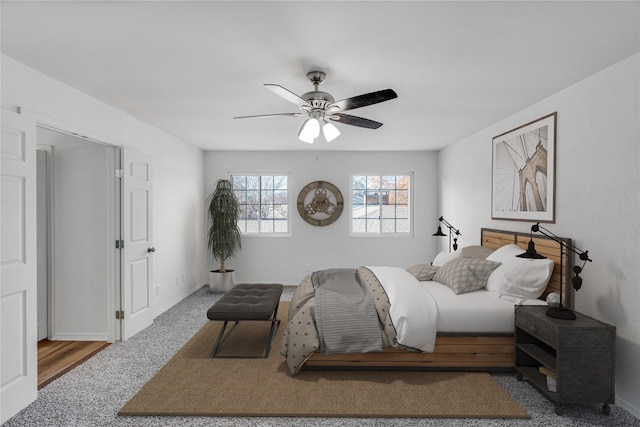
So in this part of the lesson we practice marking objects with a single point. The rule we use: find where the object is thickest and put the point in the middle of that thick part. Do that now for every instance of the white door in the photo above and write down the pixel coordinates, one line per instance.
(18, 265)
(137, 250)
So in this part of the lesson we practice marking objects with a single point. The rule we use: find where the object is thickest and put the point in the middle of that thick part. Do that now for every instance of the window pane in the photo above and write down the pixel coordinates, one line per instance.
(239, 182)
(359, 182)
(266, 226)
(252, 197)
(357, 198)
(403, 226)
(280, 196)
(267, 182)
(388, 182)
(373, 182)
(359, 225)
(388, 212)
(388, 225)
(281, 226)
(373, 226)
(280, 183)
(280, 211)
(373, 198)
(252, 226)
(402, 197)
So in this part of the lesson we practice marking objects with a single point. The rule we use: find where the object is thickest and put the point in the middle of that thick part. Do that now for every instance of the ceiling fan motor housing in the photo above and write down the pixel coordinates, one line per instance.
(318, 99)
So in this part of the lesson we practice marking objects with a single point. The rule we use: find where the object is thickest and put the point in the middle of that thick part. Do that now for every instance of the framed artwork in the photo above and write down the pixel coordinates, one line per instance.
(523, 174)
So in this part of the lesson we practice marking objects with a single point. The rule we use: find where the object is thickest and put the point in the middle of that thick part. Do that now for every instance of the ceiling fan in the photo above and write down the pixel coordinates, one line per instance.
(321, 109)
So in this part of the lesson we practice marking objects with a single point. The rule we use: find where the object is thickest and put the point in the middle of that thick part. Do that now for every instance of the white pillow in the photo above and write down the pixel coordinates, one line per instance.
(518, 278)
(443, 257)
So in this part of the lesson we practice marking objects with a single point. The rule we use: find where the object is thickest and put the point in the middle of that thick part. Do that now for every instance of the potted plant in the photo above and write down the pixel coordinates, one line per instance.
(224, 233)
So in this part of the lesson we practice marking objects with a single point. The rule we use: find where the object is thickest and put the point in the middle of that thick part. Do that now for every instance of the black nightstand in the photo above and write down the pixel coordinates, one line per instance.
(580, 352)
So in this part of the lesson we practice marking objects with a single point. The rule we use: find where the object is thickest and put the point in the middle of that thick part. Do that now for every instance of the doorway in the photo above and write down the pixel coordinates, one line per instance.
(78, 221)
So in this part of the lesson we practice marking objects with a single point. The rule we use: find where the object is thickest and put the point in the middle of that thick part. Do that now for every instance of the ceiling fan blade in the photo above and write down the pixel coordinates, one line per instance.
(261, 116)
(287, 94)
(363, 100)
(348, 119)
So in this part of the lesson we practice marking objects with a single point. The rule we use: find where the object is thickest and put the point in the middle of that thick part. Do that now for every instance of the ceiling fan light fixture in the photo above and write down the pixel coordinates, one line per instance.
(309, 131)
(321, 107)
(330, 132)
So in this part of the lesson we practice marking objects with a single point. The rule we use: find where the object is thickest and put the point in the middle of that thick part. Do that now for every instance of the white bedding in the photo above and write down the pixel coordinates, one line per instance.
(478, 311)
(421, 309)
(413, 311)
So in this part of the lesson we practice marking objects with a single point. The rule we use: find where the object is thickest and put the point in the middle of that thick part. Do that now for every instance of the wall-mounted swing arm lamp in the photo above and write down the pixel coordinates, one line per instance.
(452, 230)
(559, 312)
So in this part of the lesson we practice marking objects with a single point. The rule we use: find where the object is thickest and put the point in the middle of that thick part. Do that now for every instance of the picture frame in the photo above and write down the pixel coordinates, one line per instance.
(523, 172)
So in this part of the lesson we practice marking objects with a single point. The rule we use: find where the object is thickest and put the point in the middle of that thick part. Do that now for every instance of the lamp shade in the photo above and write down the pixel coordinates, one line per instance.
(309, 131)
(531, 252)
(330, 132)
(439, 232)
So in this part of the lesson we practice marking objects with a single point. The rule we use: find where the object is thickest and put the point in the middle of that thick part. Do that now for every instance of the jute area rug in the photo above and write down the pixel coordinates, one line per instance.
(193, 384)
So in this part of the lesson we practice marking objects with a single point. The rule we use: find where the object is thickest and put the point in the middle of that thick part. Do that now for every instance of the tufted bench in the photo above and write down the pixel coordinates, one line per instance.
(247, 301)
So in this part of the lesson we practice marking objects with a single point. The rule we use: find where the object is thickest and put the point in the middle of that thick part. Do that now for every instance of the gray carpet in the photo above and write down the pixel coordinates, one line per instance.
(92, 394)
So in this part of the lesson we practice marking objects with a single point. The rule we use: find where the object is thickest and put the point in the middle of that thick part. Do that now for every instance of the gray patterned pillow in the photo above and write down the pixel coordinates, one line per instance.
(423, 272)
(465, 274)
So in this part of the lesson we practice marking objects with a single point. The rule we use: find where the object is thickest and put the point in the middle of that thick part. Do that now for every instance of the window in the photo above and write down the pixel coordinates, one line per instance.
(380, 204)
(264, 203)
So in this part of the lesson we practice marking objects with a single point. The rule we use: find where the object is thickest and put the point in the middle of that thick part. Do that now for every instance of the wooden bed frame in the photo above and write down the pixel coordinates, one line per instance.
(461, 351)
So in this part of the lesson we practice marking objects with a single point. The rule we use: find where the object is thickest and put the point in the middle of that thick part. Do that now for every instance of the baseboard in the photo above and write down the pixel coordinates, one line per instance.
(177, 299)
(630, 408)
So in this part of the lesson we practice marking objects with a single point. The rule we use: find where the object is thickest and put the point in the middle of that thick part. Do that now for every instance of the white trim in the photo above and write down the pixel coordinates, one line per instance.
(53, 123)
(81, 336)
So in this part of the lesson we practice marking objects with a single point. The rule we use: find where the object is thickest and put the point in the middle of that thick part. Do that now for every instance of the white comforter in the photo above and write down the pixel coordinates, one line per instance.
(414, 312)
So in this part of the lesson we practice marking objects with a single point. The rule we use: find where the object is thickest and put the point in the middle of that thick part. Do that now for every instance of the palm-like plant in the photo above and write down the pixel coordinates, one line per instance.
(224, 233)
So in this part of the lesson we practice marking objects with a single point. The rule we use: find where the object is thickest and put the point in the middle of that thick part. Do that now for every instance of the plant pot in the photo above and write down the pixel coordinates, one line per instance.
(221, 282)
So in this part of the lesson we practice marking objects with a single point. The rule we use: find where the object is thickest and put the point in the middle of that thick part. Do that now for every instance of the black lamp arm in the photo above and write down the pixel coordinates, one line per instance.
(583, 255)
(450, 227)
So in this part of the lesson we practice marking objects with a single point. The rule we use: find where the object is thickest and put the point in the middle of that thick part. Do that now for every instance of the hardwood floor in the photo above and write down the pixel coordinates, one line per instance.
(56, 358)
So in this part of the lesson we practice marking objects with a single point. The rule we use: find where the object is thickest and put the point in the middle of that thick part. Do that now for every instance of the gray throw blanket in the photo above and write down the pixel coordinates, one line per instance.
(346, 316)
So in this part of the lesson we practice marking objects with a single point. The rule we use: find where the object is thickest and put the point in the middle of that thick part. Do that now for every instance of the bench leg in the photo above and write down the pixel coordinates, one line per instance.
(221, 337)
(275, 323)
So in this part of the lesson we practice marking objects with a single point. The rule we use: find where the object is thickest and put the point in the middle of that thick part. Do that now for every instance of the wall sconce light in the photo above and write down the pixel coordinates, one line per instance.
(559, 312)
(452, 230)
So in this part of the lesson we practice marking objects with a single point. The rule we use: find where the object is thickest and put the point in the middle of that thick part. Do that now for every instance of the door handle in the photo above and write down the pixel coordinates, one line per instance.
(151, 249)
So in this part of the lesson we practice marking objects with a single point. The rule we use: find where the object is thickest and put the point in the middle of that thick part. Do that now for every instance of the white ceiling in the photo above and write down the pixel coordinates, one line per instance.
(189, 67)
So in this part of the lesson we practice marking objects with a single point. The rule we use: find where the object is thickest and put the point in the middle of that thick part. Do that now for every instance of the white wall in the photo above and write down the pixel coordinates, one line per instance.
(285, 259)
(179, 230)
(597, 198)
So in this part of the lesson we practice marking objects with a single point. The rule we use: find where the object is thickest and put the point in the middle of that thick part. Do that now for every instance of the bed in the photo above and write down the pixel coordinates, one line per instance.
(474, 328)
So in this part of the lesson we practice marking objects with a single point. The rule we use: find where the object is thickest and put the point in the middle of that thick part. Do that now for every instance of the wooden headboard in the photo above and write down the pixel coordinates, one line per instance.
(544, 246)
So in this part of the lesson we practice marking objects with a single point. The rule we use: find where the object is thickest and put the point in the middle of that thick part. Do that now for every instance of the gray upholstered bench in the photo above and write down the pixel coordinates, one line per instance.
(247, 301)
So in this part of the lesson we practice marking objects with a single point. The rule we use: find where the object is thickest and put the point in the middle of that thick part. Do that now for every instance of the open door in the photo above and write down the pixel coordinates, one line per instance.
(18, 265)
(136, 244)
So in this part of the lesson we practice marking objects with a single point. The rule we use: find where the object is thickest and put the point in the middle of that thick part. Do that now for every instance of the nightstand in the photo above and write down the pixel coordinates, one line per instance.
(579, 352)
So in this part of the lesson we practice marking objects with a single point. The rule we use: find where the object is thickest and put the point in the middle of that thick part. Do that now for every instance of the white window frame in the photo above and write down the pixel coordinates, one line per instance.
(381, 233)
(289, 204)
